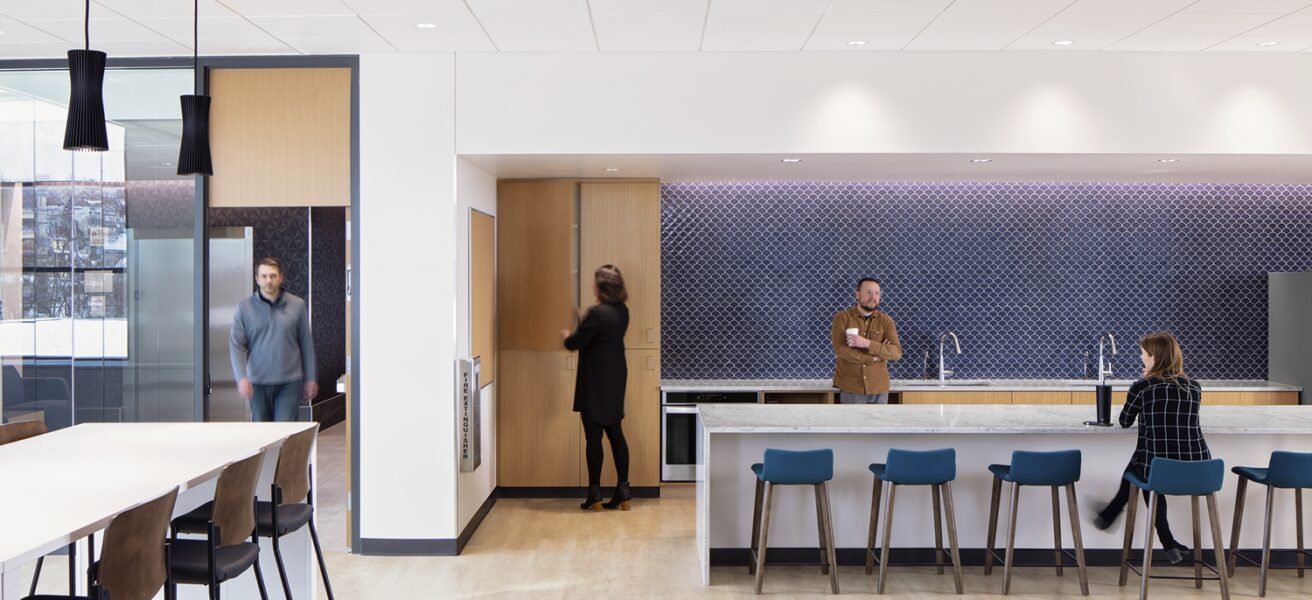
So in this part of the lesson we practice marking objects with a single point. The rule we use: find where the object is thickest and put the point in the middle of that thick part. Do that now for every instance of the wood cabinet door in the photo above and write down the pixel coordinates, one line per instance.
(537, 430)
(955, 397)
(642, 424)
(1040, 397)
(620, 224)
(536, 280)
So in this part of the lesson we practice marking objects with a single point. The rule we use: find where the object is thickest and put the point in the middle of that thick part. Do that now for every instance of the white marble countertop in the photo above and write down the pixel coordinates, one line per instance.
(977, 419)
(962, 385)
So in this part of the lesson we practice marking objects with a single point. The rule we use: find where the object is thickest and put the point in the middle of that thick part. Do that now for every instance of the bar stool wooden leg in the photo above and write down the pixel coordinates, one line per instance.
(1056, 528)
(765, 534)
(874, 525)
(1198, 544)
(1266, 542)
(829, 537)
(1298, 522)
(1130, 509)
(1219, 546)
(938, 528)
(888, 538)
(1074, 513)
(1234, 529)
(1151, 521)
(820, 529)
(756, 524)
(952, 535)
(1008, 558)
(993, 526)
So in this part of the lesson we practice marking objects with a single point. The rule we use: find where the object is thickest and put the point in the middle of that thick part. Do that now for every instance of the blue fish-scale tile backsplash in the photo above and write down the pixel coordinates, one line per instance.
(1028, 275)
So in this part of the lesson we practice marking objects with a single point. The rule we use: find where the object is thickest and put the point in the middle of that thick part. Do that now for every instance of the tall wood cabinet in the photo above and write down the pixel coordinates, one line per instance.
(552, 237)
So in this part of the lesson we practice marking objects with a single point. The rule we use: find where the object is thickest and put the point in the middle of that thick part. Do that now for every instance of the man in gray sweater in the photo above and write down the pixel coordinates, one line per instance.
(271, 349)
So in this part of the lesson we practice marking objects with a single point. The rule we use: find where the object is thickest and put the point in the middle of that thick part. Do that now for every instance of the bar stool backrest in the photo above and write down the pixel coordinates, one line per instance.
(921, 467)
(132, 565)
(1045, 468)
(234, 500)
(293, 473)
(791, 467)
(1290, 469)
(1186, 477)
(20, 430)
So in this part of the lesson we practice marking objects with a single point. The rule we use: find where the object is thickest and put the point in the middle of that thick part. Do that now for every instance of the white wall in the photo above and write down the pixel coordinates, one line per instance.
(933, 102)
(475, 189)
(408, 460)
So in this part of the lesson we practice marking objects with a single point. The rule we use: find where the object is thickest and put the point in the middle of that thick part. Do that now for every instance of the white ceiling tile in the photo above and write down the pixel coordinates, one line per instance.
(245, 47)
(889, 5)
(339, 45)
(1067, 25)
(1160, 7)
(452, 33)
(102, 30)
(288, 8)
(1165, 44)
(1204, 25)
(527, 6)
(315, 27)
(180, 29)
(1248, 43)
(636, 32)
(160, 47)
(540, 32)
(648, 6)
(1048, 6)
(1288, 27)
(406, 7)
(881, 43)
(959, 43)
(34, 49)
(757, 32)
(866, 25)
(47, 9)
(1083, 43)
(1248, 6)
(768, 6)
(143, 9)
(15, 32)
(969, 24)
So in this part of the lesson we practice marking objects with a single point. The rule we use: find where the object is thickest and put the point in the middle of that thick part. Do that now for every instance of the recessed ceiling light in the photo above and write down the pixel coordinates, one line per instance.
(857, 43)
(1267, 44)
(1168, 160)
(612, 169)
(166, 164)
(790, 160)
(426, 25)
(1063, 42)
(981, 160)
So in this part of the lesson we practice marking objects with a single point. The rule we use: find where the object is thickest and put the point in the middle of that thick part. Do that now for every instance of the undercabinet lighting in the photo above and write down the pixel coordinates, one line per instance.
(1267, 44)
(790, 160)
(427, 25)
(857, 43)
(612, 169)
(1168, 160)
(981, 160)
(1063, 42)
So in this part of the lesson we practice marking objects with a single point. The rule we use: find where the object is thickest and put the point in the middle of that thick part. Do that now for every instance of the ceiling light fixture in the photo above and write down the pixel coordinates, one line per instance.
(166, 164)
(790, 160)
(194, 153)
(857, 43)
(981, 160)
(1168, 160)
(426, 25)
(612, 169)
(85, 128)
(1063, 43)
(1267, 44)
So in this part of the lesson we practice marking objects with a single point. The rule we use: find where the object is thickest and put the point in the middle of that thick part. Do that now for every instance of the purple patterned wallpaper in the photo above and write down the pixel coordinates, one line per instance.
(1026, 274)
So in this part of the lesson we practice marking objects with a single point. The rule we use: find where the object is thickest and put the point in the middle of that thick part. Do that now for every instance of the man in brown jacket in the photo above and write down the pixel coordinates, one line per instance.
(864, 341)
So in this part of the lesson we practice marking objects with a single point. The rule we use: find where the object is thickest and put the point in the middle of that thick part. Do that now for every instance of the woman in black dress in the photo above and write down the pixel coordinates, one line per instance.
(1166, 402)
(599, 389)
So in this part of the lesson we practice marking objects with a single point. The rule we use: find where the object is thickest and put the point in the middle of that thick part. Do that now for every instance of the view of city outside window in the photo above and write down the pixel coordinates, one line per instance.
(96, 255)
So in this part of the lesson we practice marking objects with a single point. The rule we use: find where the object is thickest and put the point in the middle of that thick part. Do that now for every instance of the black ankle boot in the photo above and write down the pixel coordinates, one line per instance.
(622, 497)
(593, 501)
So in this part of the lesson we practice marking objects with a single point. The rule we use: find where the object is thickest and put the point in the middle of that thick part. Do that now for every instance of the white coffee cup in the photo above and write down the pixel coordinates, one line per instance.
(853, 331)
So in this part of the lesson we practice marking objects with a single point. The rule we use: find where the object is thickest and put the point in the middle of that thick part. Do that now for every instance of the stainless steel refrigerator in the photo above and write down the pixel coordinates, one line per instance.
(1289, 329)
(232, 279)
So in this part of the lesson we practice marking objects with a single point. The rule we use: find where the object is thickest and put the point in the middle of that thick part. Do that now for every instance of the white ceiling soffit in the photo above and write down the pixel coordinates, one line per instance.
(1124, 168)
(48, 28)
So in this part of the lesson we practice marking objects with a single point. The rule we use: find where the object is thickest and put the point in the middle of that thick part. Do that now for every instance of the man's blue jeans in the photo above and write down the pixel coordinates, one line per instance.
(276, 402)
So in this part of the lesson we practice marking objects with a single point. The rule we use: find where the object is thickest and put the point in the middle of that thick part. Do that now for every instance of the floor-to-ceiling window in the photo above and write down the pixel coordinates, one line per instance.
(97, 274)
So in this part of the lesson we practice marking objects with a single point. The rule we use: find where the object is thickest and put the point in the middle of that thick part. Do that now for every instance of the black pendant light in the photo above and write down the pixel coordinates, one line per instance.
(85, 128)
(194, 155)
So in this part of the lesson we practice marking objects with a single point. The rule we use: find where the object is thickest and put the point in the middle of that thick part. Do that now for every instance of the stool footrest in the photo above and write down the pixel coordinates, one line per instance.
(1210, 567)
(1258, 563)
(947, 560)
(1075, 563)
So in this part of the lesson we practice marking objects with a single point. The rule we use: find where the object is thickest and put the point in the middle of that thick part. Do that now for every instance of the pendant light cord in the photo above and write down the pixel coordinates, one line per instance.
(195, 47)
(86, 26)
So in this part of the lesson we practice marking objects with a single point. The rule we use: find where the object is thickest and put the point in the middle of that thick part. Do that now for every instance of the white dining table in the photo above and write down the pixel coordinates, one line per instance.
(57, 488)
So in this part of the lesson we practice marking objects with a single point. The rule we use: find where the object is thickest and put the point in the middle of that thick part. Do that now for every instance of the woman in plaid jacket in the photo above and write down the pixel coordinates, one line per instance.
(1165, 402)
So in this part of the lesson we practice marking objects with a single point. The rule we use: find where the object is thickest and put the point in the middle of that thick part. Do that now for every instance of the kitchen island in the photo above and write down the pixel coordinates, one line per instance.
(734, 436)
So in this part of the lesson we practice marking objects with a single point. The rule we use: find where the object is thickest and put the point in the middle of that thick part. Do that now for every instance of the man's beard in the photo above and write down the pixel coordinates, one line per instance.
(869, 307)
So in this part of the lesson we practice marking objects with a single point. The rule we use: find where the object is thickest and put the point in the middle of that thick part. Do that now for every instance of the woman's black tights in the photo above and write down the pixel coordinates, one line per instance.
(1117, 505)
(619, 450)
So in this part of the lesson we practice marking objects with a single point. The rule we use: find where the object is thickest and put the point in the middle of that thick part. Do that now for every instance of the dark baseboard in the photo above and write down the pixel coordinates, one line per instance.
(417, 547)
(329, 411)
(970, 557)
(473, 524)
(571, 492)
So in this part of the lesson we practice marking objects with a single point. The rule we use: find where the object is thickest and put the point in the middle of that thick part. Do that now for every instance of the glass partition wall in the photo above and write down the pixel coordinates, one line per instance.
(97, 271)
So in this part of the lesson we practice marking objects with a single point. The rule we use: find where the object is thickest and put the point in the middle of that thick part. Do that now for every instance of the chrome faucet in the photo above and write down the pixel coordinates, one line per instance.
(1105, 368)
(942, 370)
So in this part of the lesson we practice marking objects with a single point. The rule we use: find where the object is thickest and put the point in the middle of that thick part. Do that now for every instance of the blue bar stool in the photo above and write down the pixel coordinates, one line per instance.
(1166, 477)
(785, 467)
(1051, 469)
(1288, 470)
(935, 468)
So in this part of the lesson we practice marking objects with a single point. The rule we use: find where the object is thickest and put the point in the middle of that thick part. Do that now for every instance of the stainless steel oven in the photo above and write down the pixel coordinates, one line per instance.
(680, 434)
